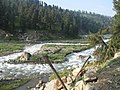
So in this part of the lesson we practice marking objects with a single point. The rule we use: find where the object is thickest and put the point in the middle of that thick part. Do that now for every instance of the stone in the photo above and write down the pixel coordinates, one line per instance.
(79, 85)
(39, 84)
(42, 87)
(64, 79)
(67, 86)
(91, 79)
(81, 57)
(76, 71)
(91, 86)
(117, 55)
(90, 76)
(69, 80)
(51, 85)
(58, 83)
(118, 69)
(25, 56)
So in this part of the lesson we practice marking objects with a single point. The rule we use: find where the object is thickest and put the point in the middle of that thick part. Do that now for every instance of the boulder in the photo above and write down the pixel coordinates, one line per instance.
(80, 85)
(69, 80)
(90, 76)
(55, 84)
(50, 49)
(58, 83)
(67, 86)
(117, 55)
(75, 71)
(25, 56)
(39, 84)
(91, 86)
(51, 85)
(81, 57)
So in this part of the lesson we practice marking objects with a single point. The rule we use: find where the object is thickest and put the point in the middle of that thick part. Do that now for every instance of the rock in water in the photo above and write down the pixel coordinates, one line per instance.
(25, 56)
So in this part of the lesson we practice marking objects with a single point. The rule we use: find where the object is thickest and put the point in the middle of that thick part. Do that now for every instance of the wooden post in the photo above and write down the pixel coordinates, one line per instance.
(48, 61)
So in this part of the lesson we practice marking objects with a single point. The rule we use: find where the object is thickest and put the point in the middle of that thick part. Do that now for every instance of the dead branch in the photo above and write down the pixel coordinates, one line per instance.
(49, 62)
(82, 69)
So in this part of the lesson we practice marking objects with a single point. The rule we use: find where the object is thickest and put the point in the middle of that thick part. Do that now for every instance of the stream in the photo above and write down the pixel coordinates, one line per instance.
(21, 70)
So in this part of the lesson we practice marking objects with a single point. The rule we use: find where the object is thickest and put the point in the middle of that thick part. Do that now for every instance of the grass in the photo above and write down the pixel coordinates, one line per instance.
(103, 64)
(109, 63)
(7, 48)
(65, 50)
(10, 85)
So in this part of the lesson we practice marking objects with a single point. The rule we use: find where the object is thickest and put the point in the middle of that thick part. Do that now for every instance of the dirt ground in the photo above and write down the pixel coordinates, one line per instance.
(109, 76)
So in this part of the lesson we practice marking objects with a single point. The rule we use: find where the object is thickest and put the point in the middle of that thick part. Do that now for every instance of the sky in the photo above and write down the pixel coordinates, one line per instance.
(104, 7)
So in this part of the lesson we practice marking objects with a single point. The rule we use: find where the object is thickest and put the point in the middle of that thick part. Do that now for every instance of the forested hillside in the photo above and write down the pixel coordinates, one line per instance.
(21, 18)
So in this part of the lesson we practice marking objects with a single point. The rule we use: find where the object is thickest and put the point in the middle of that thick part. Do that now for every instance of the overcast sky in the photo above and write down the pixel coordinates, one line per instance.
(104, 7)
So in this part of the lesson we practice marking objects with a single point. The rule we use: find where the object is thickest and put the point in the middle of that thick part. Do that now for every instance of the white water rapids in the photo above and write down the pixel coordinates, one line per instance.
(19, 70)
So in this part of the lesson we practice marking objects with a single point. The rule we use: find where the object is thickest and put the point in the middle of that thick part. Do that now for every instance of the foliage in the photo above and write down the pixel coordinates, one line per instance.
(114, 44)
(94, 39)
(18, 17)
(115, 40)
(104, 53)
(103, 65)
(104, 50)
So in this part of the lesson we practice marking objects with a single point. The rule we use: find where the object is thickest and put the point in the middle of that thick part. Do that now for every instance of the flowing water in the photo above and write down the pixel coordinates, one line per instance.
(19, 70)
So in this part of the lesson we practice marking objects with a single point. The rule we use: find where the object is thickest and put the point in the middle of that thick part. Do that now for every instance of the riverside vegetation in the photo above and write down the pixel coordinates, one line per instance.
(12, 84)
(59, 54)
(7, 48)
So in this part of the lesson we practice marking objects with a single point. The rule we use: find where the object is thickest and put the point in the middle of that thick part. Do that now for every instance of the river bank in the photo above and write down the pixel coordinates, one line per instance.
(33, 82)
(97, 76)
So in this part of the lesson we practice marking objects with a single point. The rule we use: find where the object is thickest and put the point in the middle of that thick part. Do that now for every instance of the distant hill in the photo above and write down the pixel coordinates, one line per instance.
(37, 20)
